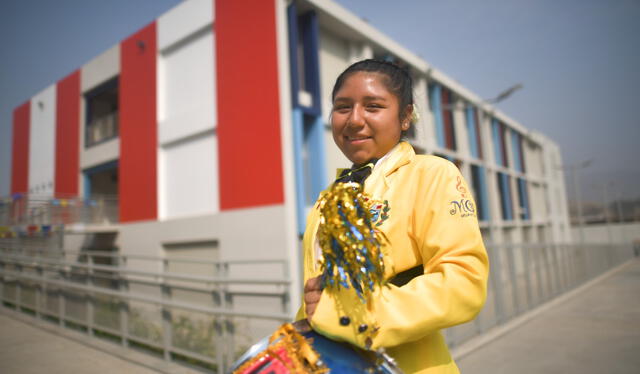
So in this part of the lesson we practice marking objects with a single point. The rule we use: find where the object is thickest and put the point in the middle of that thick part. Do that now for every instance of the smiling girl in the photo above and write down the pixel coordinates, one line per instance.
(436, 264)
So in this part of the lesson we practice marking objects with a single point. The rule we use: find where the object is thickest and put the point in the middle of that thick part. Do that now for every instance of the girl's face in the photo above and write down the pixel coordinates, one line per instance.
(365, 119)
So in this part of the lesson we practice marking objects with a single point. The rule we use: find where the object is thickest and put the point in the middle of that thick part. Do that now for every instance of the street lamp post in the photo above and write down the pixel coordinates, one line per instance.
(574, 174)
(504, 94)
(500, 97)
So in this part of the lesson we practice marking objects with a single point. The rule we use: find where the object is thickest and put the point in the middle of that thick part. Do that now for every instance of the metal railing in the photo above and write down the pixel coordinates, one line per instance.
(196, 317)
(525, 276)
(102, 129)
(211, 313)
(26, 209)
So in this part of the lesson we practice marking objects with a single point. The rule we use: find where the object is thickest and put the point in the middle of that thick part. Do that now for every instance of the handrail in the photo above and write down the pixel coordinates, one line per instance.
(71, 289)
(166, 275)
(108, 254)
(148, 299)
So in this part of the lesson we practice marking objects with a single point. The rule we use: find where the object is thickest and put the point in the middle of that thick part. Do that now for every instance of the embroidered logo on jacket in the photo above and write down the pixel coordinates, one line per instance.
(464, 206)
(379, 212)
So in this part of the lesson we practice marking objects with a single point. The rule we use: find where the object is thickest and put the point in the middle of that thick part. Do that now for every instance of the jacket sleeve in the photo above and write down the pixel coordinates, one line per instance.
(451, 291)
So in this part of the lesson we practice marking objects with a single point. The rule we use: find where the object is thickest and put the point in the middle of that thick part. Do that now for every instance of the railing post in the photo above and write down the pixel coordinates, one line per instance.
(494, 255)
(39, 287)
(2, 281)
(526, 259)
(511, 263)
(124, 307)
(61, 302)
(557, 268)
(167, 328)
(227, 343)
(89, 295)
(18, 289)
(286, 299)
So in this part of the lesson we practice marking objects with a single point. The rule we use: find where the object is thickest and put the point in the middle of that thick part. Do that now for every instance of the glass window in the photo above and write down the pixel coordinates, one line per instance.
(442, 103)
(504, 188)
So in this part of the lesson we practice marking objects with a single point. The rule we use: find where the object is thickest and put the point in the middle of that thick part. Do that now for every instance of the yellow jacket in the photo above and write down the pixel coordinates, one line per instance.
(426, 211)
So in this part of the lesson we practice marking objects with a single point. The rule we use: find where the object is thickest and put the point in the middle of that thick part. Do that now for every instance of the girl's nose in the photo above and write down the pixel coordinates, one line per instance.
(357, 116)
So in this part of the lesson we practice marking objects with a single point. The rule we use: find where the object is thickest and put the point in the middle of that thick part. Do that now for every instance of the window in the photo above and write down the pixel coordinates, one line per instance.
(442, 103)
(307, 121)
(499, 145)
(303, 49)
(102, 180)
(479, 185)
(101, 113)
(504, 188)
(523, 199)
(516, 147)
(473, 130)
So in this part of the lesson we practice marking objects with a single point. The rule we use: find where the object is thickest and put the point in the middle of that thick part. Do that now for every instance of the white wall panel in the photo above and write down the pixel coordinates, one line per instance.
(100, 69)
(334, 58)
(189, 177)
(42, 142)
(186, 95)
(183, 20)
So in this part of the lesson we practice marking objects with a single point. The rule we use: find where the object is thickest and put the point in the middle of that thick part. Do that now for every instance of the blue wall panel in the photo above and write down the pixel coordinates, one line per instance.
(436, 105)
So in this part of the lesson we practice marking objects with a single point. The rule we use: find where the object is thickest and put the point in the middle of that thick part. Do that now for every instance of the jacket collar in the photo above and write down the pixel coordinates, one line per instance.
(399, 156)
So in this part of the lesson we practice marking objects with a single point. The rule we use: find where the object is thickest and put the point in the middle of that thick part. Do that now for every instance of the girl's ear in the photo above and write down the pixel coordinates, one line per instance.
(407, 116)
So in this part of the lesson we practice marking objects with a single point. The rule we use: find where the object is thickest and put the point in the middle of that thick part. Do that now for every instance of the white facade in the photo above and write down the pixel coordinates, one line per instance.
(187, 112)
(42, 142)
(191, 218)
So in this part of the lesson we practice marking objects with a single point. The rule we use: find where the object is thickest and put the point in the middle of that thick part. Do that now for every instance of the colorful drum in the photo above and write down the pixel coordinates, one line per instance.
(302, 350)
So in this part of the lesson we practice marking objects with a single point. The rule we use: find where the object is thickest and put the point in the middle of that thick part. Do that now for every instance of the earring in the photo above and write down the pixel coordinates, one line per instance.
(415, 117)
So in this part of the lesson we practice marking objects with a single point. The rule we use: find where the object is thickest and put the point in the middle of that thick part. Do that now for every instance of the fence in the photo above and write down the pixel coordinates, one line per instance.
(27, 209)
(209, 317)
(184, 317)
(524, 276)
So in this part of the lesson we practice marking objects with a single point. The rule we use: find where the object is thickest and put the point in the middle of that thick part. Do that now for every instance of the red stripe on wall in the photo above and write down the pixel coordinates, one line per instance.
(138, 126)
(250, 154)
(20, 149)
(67, 156)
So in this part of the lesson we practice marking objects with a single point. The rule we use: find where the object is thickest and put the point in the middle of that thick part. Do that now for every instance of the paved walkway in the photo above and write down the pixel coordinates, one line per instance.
(28, 346)
(597, 330)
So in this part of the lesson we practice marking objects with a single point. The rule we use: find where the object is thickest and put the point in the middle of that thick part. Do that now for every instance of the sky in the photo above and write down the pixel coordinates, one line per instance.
(577, 60)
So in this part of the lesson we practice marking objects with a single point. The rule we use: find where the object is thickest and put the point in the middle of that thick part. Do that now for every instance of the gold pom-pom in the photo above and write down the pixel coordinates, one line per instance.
(351, 247)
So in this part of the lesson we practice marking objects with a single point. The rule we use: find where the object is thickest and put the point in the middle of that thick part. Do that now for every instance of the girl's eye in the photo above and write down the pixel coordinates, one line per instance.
(340, 108)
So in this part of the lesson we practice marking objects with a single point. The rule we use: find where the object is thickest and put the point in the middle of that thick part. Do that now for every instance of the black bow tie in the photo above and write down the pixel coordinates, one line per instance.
(357, 173)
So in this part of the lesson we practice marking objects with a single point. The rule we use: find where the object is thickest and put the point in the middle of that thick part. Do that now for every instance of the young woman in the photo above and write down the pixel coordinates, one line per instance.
(435, 261)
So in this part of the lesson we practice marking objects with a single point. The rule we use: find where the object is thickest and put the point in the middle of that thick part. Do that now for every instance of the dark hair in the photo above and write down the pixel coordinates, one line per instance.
(396, 79)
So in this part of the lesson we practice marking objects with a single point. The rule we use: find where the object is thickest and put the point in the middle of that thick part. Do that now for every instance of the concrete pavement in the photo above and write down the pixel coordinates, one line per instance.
(29, 346)
(596, 330)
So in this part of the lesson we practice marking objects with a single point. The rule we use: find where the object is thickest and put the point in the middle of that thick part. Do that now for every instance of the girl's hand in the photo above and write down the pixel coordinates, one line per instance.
(312, 293)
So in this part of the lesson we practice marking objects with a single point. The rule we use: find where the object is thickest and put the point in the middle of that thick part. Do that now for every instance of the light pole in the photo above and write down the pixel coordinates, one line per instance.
(574, 174)
(504, 94)
(500, 97)
(605, 209)
(618, 202)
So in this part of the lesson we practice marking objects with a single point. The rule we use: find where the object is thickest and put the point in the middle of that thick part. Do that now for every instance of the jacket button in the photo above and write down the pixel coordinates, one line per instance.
(362, 328)
(368, 343)
(344, 320)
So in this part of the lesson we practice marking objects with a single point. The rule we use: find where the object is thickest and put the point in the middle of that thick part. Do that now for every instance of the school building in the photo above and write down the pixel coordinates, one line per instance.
(206, 134)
